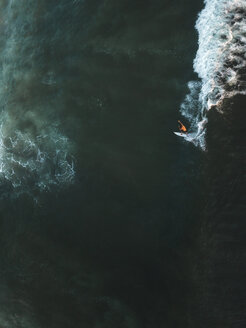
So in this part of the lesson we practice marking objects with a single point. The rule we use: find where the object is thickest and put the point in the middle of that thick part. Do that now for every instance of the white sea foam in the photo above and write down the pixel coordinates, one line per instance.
(34, 153)
(220, 61)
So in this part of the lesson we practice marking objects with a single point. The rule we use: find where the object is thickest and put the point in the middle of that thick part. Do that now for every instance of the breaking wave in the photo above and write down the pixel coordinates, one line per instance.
(34, 153)
(220, 62)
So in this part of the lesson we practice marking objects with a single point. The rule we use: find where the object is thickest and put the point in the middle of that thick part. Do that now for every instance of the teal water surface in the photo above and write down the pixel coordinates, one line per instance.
(101, 203)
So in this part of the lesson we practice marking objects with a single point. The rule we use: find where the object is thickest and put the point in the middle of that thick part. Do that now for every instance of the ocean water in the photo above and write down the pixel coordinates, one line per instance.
(108, 219)
(220, 63)
(35, 154)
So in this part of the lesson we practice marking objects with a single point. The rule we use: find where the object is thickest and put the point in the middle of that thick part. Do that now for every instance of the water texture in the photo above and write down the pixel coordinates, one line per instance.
(108, 219)
(34, 154)
(220, 62)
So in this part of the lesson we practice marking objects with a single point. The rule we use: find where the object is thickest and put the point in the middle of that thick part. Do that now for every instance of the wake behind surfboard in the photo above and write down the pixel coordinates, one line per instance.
(193, 137)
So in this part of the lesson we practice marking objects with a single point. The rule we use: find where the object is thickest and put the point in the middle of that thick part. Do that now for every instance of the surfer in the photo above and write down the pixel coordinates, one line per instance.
(182, 128)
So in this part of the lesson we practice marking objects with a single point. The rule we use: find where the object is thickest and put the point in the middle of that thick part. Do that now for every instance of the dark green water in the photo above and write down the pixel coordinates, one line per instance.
(122, 246)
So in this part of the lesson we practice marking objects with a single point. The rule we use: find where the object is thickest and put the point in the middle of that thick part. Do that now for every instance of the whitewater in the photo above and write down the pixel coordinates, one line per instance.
(34, 152)
(220, 63)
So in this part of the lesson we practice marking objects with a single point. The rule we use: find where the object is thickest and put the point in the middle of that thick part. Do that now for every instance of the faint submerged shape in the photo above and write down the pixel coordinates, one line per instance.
(34, 154)
(220, 62)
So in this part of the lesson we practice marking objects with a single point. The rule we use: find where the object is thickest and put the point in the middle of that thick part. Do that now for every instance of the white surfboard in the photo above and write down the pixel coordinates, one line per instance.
(186, 136)
(180, 134)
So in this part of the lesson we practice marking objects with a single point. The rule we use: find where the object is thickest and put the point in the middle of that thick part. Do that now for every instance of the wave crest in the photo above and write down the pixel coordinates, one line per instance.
(220, 60)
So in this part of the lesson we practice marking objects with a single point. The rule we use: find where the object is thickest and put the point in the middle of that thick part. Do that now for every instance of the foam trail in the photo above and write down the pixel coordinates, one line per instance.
(34, 153)
(220, 62)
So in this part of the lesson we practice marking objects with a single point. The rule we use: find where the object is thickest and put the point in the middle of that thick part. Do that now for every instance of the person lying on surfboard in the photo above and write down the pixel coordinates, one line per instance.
(182, 128)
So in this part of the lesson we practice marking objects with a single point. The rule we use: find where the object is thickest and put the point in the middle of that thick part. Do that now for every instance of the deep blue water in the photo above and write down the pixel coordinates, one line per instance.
(107, 219)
